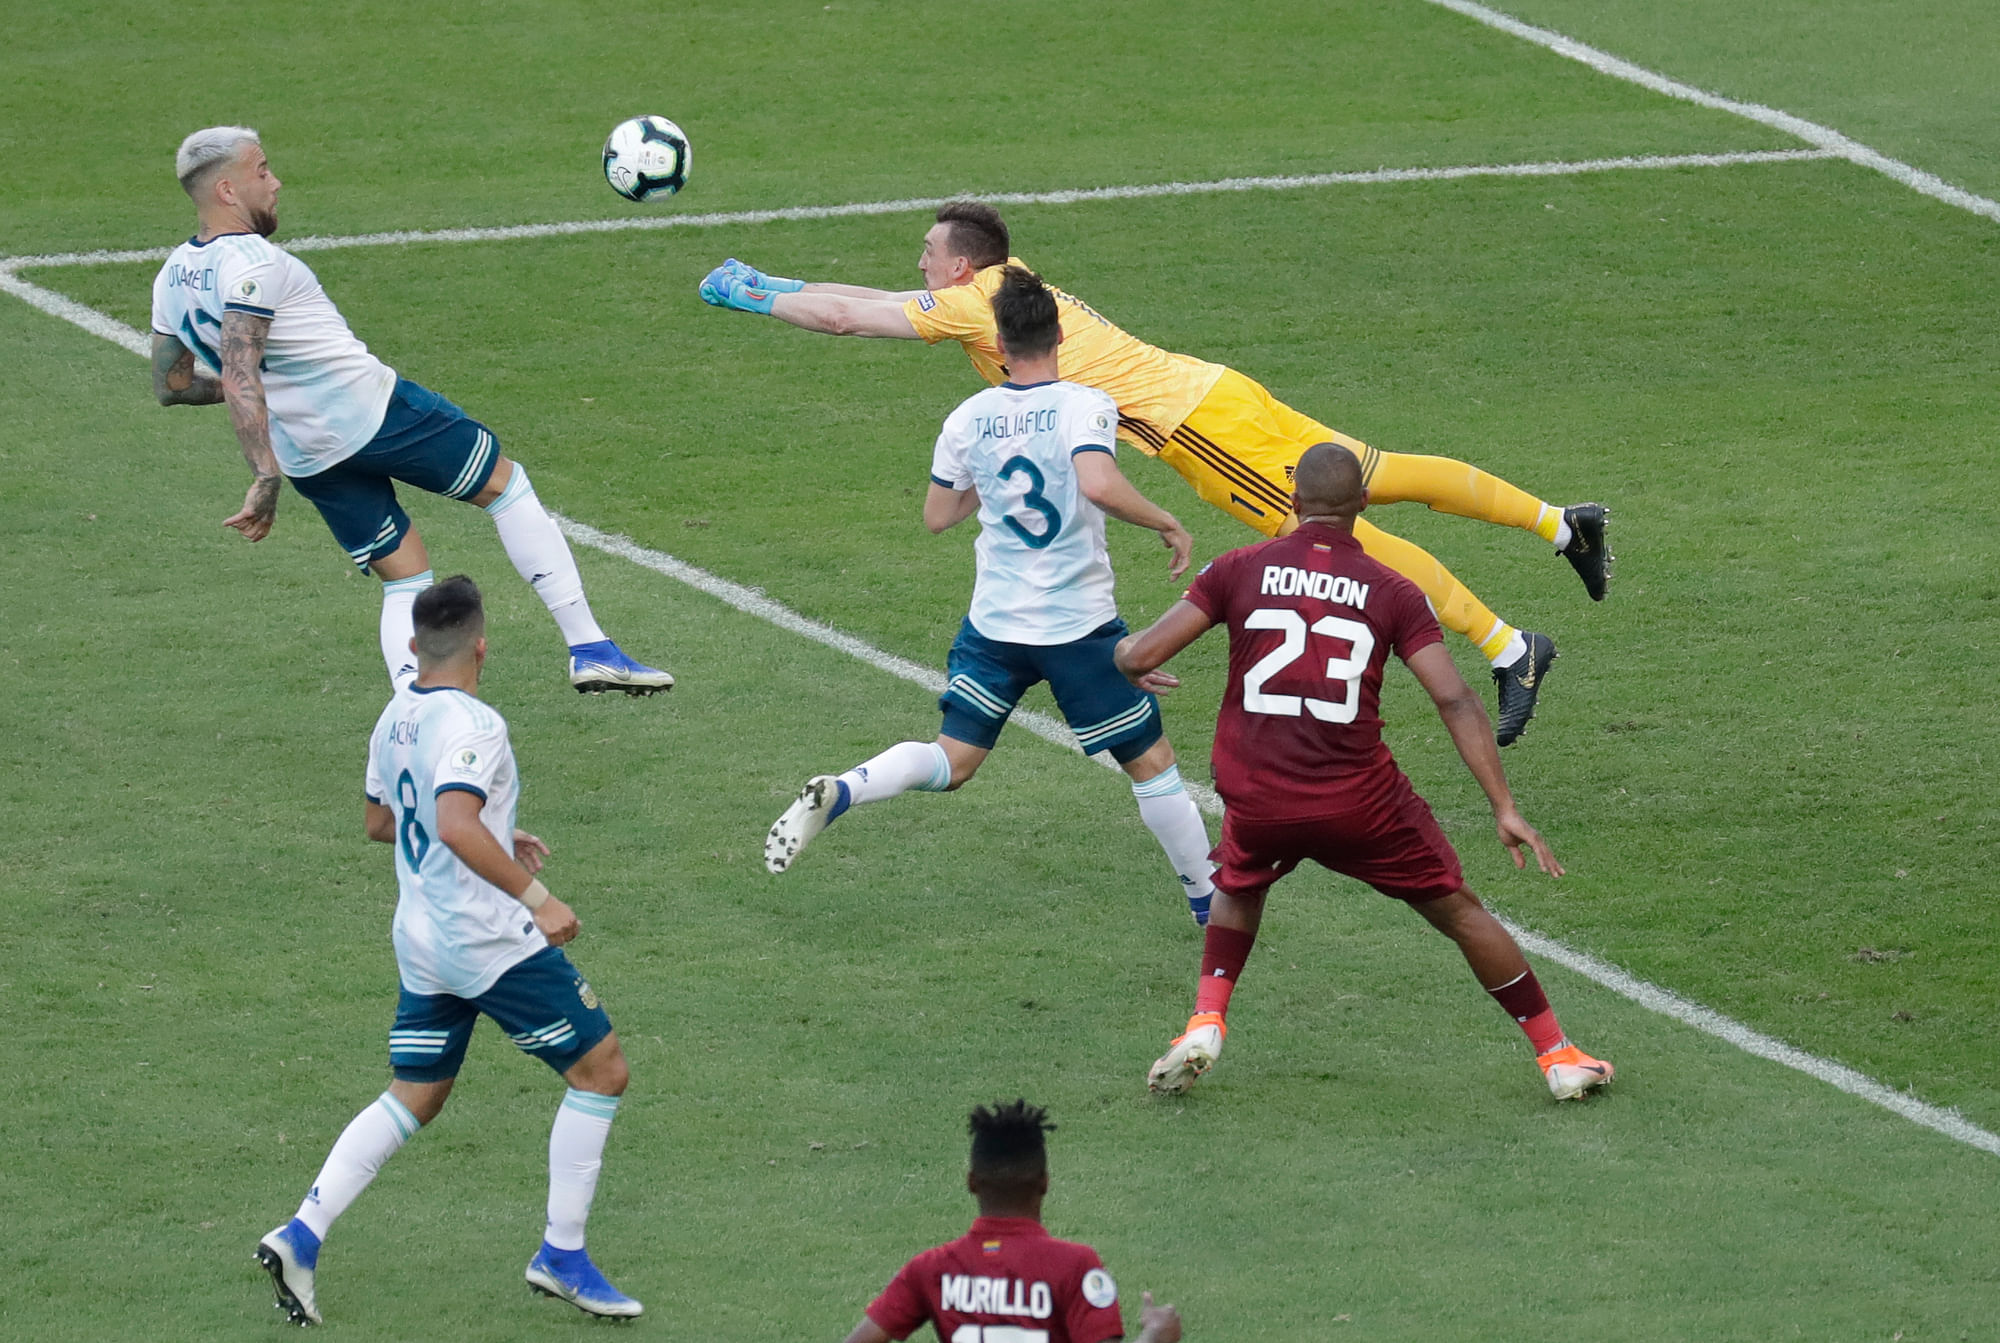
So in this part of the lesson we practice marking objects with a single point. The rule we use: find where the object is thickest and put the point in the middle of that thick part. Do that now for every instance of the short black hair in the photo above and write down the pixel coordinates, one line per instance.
(1024, 309)
(1008, 1150)
(977, 232)
(448, 616)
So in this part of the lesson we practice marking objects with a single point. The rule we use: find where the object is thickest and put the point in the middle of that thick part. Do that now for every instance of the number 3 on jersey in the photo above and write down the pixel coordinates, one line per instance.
(1344, 672)
(1034, 499)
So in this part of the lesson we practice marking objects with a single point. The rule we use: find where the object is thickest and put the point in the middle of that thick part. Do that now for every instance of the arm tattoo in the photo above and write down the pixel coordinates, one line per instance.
(243, 337)
(177, 379)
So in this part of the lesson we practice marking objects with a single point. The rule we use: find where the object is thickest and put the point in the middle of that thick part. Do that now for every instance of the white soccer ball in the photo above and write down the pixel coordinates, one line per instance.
(646, 157)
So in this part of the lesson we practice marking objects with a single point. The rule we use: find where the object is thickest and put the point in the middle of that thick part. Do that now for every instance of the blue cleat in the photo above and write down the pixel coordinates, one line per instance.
(568, 1275)
(596, 668)
(291, 1256)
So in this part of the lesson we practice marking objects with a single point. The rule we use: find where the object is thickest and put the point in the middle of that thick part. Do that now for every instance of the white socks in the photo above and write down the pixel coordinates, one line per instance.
(1516, 649)
(1168, 811)
(369, 1139)
(542, 557)
(398, 596)
(919, 765)
(576, 1153)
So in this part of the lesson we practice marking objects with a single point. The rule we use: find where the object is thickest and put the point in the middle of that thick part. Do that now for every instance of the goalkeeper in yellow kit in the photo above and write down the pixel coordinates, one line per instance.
(1231, 439)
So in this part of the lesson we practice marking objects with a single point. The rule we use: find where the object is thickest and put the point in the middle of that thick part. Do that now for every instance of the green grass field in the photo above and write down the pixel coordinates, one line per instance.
(1766, 760)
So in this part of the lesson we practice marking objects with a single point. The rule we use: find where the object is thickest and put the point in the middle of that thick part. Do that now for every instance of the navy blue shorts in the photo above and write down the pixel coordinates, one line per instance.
(424, 441)
(1106, 711)
(543, 1004)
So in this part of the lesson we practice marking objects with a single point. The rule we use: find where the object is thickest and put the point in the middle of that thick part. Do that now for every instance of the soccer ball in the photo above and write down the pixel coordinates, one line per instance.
(646, 157)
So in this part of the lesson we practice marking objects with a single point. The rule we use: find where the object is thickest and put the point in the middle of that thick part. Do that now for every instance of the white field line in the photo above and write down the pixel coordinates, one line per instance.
(1825, 137)
(752, 602)
(1650, 996)
(512, 232)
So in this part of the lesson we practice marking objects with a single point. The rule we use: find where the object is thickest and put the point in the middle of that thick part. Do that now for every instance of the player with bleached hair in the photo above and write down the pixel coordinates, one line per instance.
(1034, 458)
(239, 320)
(1225, 434)
(476, 934)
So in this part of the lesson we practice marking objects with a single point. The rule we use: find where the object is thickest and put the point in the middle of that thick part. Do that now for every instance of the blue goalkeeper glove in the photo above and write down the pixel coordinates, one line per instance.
(757, 279)
(723, 288)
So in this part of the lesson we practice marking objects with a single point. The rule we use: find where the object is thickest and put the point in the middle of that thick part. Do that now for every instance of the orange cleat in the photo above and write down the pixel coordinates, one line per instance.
(1571, 1072)
(1190, 1055)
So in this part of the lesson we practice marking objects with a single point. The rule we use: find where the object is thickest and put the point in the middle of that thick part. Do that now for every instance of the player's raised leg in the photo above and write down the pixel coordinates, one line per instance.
(562, 1267)
(908, 766)
(405, 573)
(1502, 970)
(542, 557)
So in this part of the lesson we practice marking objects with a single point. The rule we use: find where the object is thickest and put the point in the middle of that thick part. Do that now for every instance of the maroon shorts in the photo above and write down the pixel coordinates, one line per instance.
(1395, 846)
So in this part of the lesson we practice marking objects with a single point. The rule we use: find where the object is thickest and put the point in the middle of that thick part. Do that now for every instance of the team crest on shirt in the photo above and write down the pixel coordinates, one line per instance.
(1099, 1290)
(925, 302)
(989, 1247)
(468, 758)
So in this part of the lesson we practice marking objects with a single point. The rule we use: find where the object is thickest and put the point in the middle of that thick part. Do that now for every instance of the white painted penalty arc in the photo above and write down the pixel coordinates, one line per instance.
(1826, 138)
(1075, 196)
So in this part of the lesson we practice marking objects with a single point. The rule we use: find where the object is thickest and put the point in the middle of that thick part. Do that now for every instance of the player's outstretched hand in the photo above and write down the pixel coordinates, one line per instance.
(529, 851)
(1515, 831)
(1158, 1324)
(1158, 682)
(259, 511)
(557, 921)
(727, 288)
(1176, 540)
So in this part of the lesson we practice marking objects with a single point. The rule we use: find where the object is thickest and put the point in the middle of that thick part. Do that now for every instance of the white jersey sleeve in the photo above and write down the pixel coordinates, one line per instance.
(371, 778)
(1090, 422)
(251, 280)
(948, 464)
(470, 756)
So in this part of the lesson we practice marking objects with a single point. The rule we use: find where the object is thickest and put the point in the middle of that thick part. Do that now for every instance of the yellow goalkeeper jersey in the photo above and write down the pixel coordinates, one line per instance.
(1154, 387)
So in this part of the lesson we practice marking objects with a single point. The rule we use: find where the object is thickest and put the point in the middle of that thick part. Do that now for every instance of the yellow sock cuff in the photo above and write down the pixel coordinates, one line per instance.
(1496, 642)
(1547, 523)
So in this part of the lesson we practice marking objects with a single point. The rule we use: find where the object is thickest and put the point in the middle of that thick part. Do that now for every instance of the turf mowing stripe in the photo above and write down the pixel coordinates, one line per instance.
(1831, 141)
(1067, 197)
(752, 602)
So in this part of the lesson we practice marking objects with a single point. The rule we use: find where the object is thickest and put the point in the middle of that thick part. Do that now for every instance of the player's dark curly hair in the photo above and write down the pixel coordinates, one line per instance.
(1007, 1143)
(448, 616)
(1024, 309)
(977, 232)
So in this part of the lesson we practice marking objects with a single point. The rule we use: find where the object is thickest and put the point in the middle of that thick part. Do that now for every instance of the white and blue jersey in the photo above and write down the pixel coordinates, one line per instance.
(325, 392)
(455, 932)
(1043, 573)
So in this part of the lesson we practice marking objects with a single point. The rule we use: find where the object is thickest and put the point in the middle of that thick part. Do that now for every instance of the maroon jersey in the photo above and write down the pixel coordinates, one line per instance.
(1311, 622)
(1005, 1281)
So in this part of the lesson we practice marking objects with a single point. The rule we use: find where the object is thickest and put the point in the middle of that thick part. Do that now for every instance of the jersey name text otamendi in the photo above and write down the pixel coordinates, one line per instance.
(1007, 1278)
(325, 392)
(1043, 573)
(1311, 622)
(455, 932)
(1153, 386)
